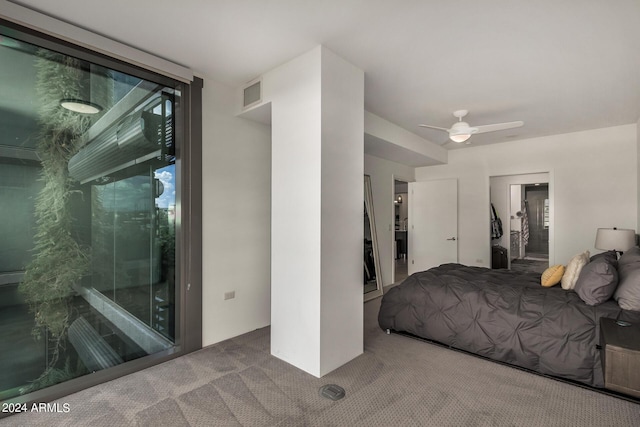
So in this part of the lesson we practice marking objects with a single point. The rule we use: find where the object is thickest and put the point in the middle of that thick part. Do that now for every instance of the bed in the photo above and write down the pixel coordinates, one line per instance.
(505, 316)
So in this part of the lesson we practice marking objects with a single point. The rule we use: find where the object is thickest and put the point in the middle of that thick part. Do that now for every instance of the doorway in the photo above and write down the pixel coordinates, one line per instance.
(400, 234)
(524, 203)
(536, 201)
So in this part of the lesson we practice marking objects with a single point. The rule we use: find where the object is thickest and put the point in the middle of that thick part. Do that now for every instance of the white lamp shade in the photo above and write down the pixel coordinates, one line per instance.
(615, 239)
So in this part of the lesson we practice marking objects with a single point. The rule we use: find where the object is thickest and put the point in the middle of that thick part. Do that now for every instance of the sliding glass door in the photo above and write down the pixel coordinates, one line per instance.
(90, 187)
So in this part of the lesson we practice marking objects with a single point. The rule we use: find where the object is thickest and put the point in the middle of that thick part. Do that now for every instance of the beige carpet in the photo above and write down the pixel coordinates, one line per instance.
(398, 381)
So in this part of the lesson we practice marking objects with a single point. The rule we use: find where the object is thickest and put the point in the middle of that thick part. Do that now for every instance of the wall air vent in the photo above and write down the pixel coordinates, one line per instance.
(252, 94)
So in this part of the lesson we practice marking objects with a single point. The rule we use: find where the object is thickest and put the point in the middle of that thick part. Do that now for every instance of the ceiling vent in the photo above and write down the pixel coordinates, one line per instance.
(252, 94)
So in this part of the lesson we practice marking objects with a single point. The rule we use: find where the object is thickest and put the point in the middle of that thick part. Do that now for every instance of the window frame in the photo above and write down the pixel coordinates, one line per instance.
(188, 114)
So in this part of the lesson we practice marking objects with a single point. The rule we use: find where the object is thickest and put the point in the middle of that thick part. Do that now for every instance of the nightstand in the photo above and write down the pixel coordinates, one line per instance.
(620, 356)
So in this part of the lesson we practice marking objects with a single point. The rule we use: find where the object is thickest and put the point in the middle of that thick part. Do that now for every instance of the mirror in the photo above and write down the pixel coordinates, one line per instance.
(372, 279)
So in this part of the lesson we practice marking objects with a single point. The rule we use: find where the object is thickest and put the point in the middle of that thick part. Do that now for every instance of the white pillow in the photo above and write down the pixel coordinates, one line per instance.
(572, 271)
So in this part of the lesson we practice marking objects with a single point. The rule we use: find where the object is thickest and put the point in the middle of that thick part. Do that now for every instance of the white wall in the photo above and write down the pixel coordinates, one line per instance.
(317, 105)
(593, 175)
(342, 212)
(294, 92)
(386, 140)
(236, 188)
(382, 174)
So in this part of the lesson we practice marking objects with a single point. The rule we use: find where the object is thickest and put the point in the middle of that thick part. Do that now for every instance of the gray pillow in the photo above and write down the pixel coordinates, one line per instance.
(632, 256)
(628, 292)
(597, 281)
(612, 255)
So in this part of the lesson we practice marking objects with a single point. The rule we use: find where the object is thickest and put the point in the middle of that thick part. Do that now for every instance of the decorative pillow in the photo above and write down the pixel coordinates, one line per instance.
(552, 275)
(572, 271)
(628, 292)
(597, 281)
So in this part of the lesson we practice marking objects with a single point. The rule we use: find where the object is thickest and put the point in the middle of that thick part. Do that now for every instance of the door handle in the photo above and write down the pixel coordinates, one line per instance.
(451, 238)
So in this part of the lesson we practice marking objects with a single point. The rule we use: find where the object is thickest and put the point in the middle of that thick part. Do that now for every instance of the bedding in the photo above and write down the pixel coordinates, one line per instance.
(505, 316)
(628, 291)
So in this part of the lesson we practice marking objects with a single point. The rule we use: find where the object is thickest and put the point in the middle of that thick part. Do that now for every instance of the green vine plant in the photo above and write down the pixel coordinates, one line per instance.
(59, 261)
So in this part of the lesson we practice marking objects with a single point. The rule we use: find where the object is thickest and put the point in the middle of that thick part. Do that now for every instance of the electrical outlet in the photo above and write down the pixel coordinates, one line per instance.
(230, 295)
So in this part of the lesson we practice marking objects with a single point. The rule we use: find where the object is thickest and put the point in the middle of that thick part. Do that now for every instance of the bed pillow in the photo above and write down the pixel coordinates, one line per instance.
(597, 281)
(572, 271)
(612, 255)
(628, 291)
(552, 276)
(632, 256)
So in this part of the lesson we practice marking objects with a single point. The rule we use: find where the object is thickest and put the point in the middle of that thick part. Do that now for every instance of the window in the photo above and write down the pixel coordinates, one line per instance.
(90, 183)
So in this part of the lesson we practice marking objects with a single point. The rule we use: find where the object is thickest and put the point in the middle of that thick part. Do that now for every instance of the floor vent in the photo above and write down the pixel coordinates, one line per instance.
(332, 391)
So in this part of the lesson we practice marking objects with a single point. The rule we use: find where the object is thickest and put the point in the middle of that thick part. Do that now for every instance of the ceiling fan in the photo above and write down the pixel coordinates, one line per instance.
(461, 131)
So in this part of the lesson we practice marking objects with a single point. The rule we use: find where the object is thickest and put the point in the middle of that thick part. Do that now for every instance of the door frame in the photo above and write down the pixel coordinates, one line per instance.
(392, 233)
(523, 179)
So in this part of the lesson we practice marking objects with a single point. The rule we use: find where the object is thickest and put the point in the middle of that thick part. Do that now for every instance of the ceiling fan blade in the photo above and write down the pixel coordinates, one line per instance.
(499, 126)
(434, 127)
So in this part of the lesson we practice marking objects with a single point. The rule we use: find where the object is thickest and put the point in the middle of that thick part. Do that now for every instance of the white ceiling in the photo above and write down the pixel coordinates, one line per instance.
(560, 66)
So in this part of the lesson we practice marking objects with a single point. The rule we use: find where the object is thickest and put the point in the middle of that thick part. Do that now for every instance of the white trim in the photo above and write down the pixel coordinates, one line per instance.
(70, 33)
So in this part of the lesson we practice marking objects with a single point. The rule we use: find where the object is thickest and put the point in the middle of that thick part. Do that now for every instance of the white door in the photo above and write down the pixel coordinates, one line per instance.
(433, 224)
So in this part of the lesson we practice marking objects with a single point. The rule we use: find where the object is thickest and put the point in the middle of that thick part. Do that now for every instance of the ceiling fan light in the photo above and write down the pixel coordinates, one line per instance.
(461, 137)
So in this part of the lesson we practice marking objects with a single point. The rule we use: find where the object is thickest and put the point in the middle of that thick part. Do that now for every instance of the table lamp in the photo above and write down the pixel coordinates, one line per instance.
(615, 239)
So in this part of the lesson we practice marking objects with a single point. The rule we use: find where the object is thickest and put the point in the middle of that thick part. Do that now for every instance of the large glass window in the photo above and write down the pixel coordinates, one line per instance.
(88, 182)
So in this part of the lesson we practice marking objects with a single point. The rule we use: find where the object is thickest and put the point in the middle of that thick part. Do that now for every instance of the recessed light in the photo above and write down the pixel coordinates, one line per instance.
(80, 106)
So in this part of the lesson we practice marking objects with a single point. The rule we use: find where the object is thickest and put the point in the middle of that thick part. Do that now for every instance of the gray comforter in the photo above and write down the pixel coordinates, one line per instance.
(503, 315)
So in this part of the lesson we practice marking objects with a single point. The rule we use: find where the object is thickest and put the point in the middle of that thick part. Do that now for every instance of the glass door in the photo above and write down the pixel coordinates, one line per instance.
(90, 186)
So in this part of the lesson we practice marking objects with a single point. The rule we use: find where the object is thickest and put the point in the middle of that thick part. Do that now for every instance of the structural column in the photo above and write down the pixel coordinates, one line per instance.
(317, 107)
